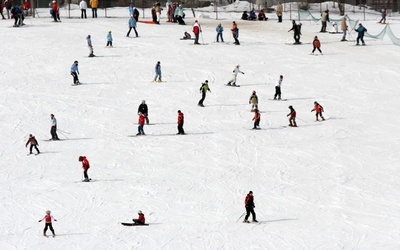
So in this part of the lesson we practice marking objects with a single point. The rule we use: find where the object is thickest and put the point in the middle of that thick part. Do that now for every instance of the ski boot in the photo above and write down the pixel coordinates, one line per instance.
(246, 221)
(255, 220)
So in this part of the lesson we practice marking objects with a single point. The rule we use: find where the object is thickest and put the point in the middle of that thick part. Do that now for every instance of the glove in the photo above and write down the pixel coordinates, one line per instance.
(55, 220)
(243, 73)
(39, 220)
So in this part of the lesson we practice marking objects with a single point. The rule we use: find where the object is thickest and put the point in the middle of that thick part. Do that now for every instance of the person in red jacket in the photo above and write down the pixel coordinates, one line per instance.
(292, 118)
(256, 119)
(141, 220)
(32, 140)
(85, 166)
(47, 219)
(249, 205)
(316, 45)
(180, 123)
(142, 119)
(196, 31)
(318, 111)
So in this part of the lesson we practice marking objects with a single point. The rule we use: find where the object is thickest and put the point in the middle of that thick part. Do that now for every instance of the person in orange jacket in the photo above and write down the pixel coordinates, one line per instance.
(249, 205)
(318, 111)
(256, 119)
(181, 119)
(292, 118)
(235, 32)
(142, 119)
(48, 218)
(141, 220)
(85, 166)
(317, 45)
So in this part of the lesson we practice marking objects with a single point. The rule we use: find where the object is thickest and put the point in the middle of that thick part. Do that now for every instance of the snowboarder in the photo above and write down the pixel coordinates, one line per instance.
(383, 20)
(296, 32)
(53, 130)
(186, 36)
(256, 119)
(158, 72)
(142, 118)
(219, 30)
(279, 10)
(196, 31)
(83, 7)
(343, 27)
(318, 111)
(235, 33)
(47, 219)
(361, 30)
(181, 120)
(75, 72)
(141, 219)
(203, 90)
(32, 140)
(249, 205)
(85, 166)
(132, 25)
(253, 101)
(89, 43)
(109, 39)
(278, 88)
(236, 71)
(144, 110)
(324, 19)
(292, 118)
(316, 45)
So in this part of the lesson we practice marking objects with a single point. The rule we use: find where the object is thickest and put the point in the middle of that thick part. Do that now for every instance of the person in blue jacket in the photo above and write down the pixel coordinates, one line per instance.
(158, 72)
(75, 72)
(361, 30)
(132, 25)
(219, 30)
(109, 39)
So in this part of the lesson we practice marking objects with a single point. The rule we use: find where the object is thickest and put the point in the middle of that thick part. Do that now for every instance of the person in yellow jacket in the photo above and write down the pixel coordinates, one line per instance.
(94, 4)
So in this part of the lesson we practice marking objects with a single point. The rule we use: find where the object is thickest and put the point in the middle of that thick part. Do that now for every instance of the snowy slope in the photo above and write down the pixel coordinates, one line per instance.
(323, 185)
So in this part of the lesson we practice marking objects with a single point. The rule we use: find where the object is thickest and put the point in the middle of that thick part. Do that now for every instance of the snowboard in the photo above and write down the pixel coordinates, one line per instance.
(132, 224)
(232, 85)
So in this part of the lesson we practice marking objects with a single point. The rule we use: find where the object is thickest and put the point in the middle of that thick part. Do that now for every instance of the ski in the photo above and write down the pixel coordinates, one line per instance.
(84, 180)
(278, 100)
(132, 224)
(232, 85)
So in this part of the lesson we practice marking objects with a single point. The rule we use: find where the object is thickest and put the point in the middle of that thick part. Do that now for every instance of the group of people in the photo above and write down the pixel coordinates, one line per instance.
(83, 7)
(252, 16)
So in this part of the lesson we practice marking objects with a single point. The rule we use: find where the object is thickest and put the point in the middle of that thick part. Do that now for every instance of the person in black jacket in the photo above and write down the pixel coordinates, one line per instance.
(296, 28)
(249, 204)
(144, 110)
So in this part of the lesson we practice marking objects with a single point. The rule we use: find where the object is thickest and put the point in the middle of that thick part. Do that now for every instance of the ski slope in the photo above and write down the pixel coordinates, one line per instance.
(323, 185)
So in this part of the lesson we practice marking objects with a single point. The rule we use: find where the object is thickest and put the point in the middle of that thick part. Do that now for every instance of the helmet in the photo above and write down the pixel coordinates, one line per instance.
(254, 91)
(290, 107)
(139, 211)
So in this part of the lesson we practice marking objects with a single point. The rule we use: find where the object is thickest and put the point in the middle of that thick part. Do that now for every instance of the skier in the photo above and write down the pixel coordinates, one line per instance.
(32, 140)
(383, 20)
(47, 219)
(236, 71)
(196, 31)
(144, 110)
(249, 205)
(158, 72)
(324, 19)
(292, 118)
(316, 45)
(279, 10)
(75, 72)
(89, 43)
(278, 88)
(256, 119)
(132, 25)
(343, 27)
(109, 39)
(181, 120)
(361, 30)
(235, 33)
(142, 118)
(85, 166)
(318, 111)
(219, 30)
(296, 32)
(55, 11)
(203, 90)
(334, 28)
(53, 130)
(141, 220)
(94, 4)
(253, 101)
(83, 7)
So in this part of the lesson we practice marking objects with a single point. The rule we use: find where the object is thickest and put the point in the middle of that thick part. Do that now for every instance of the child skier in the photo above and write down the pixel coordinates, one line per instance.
(253, 101)
(47, 219)
(292, 118)
(89, 43)
(316, 45)
(32, 140)
(203, 90)
(256, 119)
(157, 69)
(141, 219)
(181, 120)
(75, 72)
(236, 71)
(318, 111)
(109, 39)
(85, 166)
(142, 118)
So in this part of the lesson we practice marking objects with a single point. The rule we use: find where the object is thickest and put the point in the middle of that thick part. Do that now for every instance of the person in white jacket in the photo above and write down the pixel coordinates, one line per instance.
(236, 71)
(83, 7)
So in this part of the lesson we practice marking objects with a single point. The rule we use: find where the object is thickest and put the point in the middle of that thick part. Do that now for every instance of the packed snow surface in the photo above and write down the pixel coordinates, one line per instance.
(323, 185)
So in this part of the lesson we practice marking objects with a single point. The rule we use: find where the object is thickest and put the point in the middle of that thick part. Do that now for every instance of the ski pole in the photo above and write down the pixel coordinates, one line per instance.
(63, 134)
(63, 131)
(241, 216)
(202, 40)
(301, 119)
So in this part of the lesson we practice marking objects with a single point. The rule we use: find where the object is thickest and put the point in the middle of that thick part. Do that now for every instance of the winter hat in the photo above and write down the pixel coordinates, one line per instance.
(206, 81)
(254, 91)
(109, 31)
(179, 111)
(250, 192)
(48, 211)
(30, 135)
(76, 62)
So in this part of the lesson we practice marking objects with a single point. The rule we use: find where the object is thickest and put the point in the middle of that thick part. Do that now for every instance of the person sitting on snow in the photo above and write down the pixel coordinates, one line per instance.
(141, 219)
